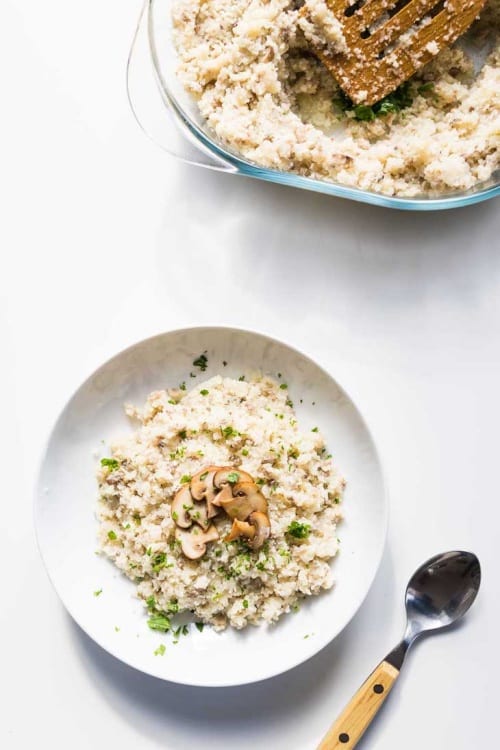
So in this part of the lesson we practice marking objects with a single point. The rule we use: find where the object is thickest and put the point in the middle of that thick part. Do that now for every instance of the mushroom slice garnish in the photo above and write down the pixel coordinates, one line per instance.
(182, 504)
(203, 482)
(245, 499)
(199, 514)
(223, 496)
(256, 530)
(202, 488)
(262, 525)
(231, 476)
(240, 528)
(194, 541)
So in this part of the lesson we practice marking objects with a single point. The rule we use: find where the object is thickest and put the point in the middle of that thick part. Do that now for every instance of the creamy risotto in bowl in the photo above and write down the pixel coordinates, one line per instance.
(220, 505)
(250, 67)
(187, 549)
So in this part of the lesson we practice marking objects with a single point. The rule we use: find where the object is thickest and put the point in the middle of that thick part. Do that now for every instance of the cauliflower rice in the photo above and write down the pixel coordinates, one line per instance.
(249, 65)
(247, 425)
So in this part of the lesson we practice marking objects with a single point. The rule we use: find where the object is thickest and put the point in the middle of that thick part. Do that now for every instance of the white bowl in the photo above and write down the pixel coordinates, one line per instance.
(66, 525)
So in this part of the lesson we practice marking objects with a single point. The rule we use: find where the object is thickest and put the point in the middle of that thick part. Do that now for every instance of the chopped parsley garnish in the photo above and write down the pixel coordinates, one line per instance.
(424, 87)
(185, 629)
(175, 516)
(199, 626)
(117, 629)
(112, 535)
(159, 561)
(159, 622)
(137, 519)
(314, 429)
(245, 603)
(151, 602)
(185, 479)
(111, 463)
(98, 592)
(283, 386)
(241, 378)
(289, 403)
(173, 607)
(171, 401)
(149, 551)
(244, 452)
(260, 481)
(228, 431)
(182, 385)
(233, 477)
(183, 434)
(399, 99)
(299, 530)
(160, 650)
(204, 392)
(203, 476)
(201, 362)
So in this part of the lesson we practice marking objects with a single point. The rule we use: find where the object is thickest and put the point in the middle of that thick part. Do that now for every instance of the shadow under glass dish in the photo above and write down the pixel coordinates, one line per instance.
(177, 125)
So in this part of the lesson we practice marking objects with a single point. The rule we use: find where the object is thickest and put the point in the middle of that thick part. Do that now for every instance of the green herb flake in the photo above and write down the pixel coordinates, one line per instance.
(185, 479)
(241, 378)
(185, 630)
(299, 530)
(148, 551)
(314, 429)
(182, 434)
(424, 87)
(244, 452)
(204, 392)
(245, 603)
(137, 519)
(228, 431)
(175, 515)
(160, 650)
(98, 592)
(200, 626)
(151, 602)
(159, 561)
(111, 463)
(283, 386)
(182, 385)
(117, 629)
(233, 477)
(159, 622)
(112, 535)
(201, 362)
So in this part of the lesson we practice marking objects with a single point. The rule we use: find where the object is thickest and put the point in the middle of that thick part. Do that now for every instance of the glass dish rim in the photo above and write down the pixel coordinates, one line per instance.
(239, 165)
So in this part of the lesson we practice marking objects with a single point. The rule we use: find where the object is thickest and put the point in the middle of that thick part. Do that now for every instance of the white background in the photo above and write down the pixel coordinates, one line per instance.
(106, 240)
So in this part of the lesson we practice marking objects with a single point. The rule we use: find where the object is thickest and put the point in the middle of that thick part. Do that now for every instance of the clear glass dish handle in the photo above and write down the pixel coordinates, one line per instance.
(152, 113)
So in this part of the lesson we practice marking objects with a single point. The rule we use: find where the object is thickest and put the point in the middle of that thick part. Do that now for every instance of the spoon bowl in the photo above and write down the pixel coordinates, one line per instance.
(442, 590)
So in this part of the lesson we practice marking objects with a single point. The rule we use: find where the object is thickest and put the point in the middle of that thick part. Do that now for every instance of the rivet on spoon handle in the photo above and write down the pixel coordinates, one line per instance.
(358, 714)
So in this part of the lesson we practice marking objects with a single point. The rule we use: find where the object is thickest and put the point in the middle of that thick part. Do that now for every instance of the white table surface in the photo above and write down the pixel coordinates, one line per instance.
(101, 236)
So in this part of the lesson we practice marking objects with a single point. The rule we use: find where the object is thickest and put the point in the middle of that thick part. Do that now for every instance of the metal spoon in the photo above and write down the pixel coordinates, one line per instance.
(438, 593)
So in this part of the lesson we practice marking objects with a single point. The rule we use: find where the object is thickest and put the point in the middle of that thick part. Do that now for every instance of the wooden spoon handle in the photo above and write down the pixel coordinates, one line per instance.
(359, 713)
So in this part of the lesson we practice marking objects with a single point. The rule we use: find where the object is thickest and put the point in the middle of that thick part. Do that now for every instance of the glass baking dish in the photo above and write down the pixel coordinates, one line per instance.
(171, 118)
